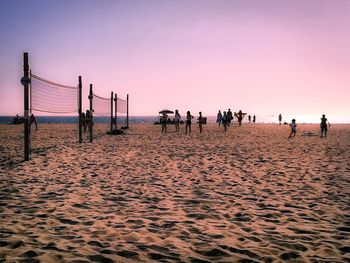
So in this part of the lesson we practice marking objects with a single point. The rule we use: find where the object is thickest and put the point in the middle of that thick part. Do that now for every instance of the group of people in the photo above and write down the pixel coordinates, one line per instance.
(324, 125)
(226, 118)
(177, 118)
(85, 119)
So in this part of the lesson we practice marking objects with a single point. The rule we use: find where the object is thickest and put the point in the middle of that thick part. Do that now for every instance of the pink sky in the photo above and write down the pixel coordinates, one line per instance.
(264, 57)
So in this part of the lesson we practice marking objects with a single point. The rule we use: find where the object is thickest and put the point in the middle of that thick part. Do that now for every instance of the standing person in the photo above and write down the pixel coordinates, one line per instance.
(280, 118)
(249, 118)
(200, 122)
(189, 118)
(240, 117)
(293, 127)
(229, 117)
(219, 118)
(224, 120)
(177, 120)
(254, 119)
(163, 121)
(323, 125)
(83, 121)
(33, 120)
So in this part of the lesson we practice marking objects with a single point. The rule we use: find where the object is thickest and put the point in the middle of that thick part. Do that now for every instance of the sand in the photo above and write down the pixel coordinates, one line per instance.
(245, 195)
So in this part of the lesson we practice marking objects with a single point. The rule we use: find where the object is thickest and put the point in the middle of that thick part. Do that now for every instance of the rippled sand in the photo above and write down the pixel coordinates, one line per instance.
(245, 195)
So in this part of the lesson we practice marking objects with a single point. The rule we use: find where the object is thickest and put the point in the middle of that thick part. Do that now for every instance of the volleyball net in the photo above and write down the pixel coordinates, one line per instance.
(50, 97)
(122, 107)
(101, 105)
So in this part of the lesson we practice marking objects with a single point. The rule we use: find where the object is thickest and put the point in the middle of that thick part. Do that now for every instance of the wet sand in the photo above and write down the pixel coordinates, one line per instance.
(245, 195)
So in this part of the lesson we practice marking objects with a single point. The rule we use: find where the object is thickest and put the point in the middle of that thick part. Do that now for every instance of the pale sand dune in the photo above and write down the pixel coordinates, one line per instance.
(247, 195)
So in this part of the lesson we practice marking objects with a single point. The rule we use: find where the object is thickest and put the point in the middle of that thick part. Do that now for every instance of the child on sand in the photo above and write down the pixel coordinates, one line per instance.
(293, 127)
(163, 121)
(200, 122)
(177, 120)
(189, 117)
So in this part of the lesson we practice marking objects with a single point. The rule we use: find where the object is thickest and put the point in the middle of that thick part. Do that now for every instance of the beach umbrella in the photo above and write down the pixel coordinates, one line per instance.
(166, 111)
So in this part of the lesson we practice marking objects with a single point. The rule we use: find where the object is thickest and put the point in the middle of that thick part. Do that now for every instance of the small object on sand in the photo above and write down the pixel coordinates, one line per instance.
(309, 133)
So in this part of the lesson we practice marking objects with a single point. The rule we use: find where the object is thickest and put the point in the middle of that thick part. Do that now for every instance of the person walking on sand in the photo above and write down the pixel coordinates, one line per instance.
(280, 118)
(249, 118)
(189, 118)
(293, 127)
(323, 126)
(163, 121)
(177, 119)
(219, 118)
(229, 117)
(240, 117)
(224, 120)
(33, 120)
(254, 119)
(200, 122)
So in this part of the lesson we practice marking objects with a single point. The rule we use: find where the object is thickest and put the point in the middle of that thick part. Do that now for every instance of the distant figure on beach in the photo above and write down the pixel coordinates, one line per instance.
(200, 122)
(229, 117)
(224, 120)
(83, 121)
(254, 119)
(280, 118)
(33, 120)
(177, 119)
(17, 120)
(189, 118)
(88, 120)
(323, 126)
(163, 121)
(240, 116)
(219, 118)
(249, 118)
(293, 127)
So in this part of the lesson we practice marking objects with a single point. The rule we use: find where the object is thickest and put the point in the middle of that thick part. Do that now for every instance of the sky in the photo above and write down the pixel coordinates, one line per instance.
(263, 57)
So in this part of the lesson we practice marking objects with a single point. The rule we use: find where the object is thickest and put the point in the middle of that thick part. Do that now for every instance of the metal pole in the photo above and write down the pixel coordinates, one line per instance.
(80, 110)
(116, 110)
(127, 111)
(91, 110)
(111, 112)
(25, 82)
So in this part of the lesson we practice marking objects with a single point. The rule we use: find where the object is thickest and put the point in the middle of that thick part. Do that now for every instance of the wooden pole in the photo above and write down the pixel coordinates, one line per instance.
(25, 82)
(116, 110)
(91, 110)
(127, 111)
(112, 111)
(30, 92)
(80, 110)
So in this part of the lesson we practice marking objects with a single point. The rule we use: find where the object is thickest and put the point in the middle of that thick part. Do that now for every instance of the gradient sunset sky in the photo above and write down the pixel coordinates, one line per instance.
(262, 56)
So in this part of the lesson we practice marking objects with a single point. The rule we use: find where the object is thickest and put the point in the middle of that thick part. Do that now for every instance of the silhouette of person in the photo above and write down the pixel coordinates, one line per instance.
(224, 120)
(219, 118)
(323, 126)
(163, 121)
(177, 119)
(293, 127)
(280, 118)
(83, 121)
(254, 119)
(229, 117)
(240, 117)
(249, 118)
(200, 122)
(189, 118)
(33, 120)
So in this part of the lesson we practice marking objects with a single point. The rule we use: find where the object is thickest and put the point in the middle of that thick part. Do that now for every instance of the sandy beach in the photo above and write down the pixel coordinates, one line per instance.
(245, 195)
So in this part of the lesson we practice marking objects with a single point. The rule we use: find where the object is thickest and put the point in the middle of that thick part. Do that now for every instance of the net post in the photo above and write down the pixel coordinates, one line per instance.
(116, 110)
(127, 111)
(112, 111)
(80, 110)
(30, 92)
(25, 82)
(91, 110)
